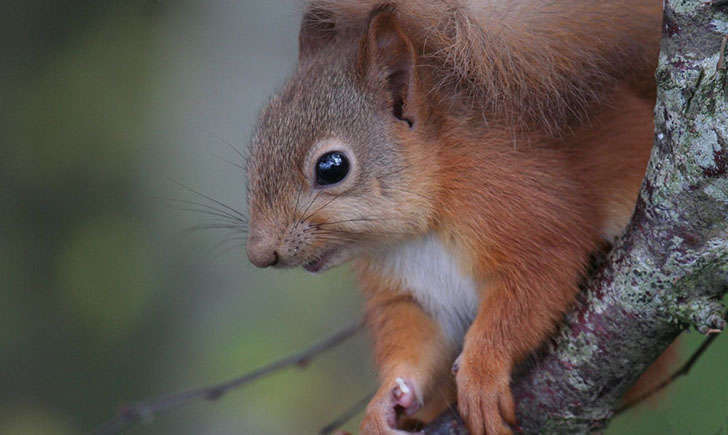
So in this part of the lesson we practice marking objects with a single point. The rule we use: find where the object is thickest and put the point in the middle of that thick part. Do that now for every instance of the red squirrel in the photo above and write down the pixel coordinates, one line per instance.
(466, 157)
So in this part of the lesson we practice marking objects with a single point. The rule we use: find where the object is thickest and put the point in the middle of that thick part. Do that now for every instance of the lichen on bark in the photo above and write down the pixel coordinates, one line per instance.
(669, 270)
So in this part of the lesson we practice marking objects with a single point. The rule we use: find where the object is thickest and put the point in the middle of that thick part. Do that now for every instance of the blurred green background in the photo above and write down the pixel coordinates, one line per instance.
(106, 107)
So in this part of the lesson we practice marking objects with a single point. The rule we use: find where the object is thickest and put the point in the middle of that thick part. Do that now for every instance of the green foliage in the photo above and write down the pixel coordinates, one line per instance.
(107, 276)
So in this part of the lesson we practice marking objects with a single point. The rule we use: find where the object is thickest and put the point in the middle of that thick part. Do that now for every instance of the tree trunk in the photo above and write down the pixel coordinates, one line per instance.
(670, 269)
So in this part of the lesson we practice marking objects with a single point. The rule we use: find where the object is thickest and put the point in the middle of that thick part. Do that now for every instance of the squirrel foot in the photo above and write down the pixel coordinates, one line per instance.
(484, 395)
(405, 397)
(394, 399)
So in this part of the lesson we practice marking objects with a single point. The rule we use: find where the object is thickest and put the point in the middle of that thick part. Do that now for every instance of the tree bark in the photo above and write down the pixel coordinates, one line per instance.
(670, 269)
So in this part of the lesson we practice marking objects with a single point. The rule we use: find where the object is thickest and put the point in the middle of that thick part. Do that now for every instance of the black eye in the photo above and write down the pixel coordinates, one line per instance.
(331, 168)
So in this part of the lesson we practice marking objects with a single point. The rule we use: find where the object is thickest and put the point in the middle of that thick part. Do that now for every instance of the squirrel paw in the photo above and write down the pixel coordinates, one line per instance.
(391, 402)
(405, 397)
(484, 399)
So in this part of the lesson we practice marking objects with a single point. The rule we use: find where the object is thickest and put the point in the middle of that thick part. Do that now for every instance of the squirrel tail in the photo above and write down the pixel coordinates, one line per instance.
(656, 373)
(536, 62)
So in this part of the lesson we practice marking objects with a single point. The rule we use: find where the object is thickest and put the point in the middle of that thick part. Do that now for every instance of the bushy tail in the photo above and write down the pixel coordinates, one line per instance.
(655, 374)
(538, 62)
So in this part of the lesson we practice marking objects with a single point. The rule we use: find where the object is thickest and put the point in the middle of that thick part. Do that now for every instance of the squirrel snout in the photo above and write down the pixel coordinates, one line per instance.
(261, 252)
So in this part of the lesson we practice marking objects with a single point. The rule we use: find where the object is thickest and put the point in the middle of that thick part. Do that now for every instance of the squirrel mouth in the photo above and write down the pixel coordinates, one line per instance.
(319, 263)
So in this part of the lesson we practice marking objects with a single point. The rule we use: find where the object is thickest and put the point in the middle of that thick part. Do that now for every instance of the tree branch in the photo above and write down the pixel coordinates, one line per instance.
(346, 415)
(450, 423)
(144, 410)
(670, 269)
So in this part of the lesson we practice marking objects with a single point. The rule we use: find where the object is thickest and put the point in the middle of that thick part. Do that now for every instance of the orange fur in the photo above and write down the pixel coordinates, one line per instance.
(523, 221)
(505, 140)
(540, 63)
(397, 321)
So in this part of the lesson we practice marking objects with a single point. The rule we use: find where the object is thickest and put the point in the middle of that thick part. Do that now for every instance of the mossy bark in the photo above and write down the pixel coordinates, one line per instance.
(670, 269)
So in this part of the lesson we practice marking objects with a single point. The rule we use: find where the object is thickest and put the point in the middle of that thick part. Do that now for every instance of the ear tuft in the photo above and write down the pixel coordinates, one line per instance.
(388, 60)
(318, 29)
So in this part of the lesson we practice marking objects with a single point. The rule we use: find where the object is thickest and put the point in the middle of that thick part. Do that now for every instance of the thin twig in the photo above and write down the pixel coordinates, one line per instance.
(146, 409)
(721, 59)
(347, 415)
(682, 371)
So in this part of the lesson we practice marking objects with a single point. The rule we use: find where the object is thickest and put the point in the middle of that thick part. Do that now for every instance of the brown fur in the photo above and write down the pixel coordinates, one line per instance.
(658, 372)
(534, 62)
(515, 133)
(524, 221)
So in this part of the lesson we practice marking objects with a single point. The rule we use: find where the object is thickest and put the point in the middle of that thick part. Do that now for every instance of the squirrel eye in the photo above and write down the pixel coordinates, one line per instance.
(331, 168)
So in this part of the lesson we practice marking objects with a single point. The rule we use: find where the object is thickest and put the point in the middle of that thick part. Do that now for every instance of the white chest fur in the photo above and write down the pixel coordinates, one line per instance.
(431, 274)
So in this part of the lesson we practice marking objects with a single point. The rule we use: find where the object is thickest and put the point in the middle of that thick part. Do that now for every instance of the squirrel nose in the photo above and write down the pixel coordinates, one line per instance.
(261, 253)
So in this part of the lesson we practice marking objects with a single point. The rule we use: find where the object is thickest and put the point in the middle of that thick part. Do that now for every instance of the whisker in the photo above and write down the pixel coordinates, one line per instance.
(343, 237)
(209, 198)
(320, 208)
(206, 206)
(377, 231)
(216, 226)
(308, 207)
(298, 197)
(215, 213)
(228, 143)
(352, 220)
(237, 165)
(339, 236)
(239, 153)
(203, 205)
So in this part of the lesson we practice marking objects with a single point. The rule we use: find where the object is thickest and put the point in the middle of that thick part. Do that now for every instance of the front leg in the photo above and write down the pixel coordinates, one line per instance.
(413, 357)
(518, 311)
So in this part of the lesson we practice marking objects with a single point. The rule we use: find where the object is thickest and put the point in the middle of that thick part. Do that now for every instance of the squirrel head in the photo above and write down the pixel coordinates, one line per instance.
(337, 164)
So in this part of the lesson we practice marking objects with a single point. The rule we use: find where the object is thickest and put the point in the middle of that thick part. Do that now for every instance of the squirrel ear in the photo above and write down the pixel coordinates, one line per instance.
(318, 28)
(387, 60)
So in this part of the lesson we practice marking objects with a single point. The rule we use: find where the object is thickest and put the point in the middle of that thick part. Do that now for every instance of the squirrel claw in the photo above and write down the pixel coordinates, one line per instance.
(456, 365)
(485, 401)
(405, 397)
